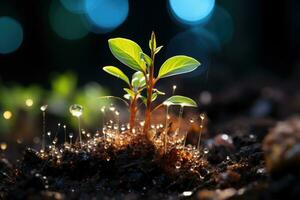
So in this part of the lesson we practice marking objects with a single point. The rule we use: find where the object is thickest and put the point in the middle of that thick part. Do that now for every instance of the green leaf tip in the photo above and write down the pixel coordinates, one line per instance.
(127, 52)
(114, 71)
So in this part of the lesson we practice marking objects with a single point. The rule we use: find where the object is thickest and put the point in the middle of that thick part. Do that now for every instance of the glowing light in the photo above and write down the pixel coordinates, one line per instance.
(7, 115)
(191, 11)
(76, 6)
(221, 24)
(11, 35)
(3, 146)
(198, 43)
(67, 25)
(106, 15)
(29, 102)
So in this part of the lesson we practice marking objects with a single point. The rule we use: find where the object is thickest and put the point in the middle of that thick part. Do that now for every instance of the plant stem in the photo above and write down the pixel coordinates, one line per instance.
(150, 85)
(180, 118)
(132, 113)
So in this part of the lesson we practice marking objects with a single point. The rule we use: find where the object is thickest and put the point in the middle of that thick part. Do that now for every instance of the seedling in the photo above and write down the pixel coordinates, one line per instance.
(144, 79)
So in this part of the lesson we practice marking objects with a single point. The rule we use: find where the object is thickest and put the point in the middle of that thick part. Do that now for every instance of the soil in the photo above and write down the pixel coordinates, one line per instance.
(245, 155)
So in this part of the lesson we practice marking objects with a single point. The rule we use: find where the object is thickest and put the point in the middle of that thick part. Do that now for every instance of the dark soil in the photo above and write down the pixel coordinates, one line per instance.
(233, 168)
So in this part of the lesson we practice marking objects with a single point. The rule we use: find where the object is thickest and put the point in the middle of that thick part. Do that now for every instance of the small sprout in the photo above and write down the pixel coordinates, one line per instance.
(130, 54)
(77, 110)
(71, 137)
(174, 88)
(43, 108)
(202, 117)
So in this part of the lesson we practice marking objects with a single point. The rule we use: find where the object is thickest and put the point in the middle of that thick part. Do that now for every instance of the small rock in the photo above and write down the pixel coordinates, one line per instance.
(282, 146)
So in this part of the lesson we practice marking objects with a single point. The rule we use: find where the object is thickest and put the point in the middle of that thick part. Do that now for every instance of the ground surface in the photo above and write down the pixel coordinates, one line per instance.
(251, 155)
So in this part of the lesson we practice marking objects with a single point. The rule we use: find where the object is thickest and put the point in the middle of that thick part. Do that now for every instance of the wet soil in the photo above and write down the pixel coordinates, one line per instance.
(237, 163)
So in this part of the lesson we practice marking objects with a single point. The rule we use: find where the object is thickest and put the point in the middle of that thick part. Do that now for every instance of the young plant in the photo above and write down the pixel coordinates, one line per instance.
(133, 91)
(130, 54)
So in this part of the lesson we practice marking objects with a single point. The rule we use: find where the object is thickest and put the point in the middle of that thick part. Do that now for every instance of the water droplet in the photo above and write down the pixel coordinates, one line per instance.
(54, 140)
(112, 108)
(44, 108)
(202, 116)
(187, 193)
(49, 133)
(88, 135)
(71, 135)
(192, 121)
(205, 150)
(261, 171)
(103, 109)
(224, 136)
(142, 123)
(174, 88)
(76, 110)
(178, 165)
(123, 128)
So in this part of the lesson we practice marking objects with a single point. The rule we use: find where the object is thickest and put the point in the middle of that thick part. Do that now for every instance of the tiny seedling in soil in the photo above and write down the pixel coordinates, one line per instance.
(144, 79)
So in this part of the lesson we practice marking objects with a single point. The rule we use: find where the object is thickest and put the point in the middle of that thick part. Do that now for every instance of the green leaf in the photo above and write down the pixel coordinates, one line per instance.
(127, 52)
(117, 73)
(181, 101)
(152, 42)
(158, 49)
(154, 96)
(138, 80)
(145, 58)
(177, 65)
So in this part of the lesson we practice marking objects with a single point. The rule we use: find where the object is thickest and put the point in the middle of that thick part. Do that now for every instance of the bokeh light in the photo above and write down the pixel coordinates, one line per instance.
(221, 24)
(191, 11)
(29, 102)
(66, 24)
(3, 146)
(106, 15)
(7, 114)
(11, 35)
(76, 6)
(196, 42)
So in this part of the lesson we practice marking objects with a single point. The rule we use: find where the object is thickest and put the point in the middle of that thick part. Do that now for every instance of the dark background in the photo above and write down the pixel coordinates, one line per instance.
(265, 41)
